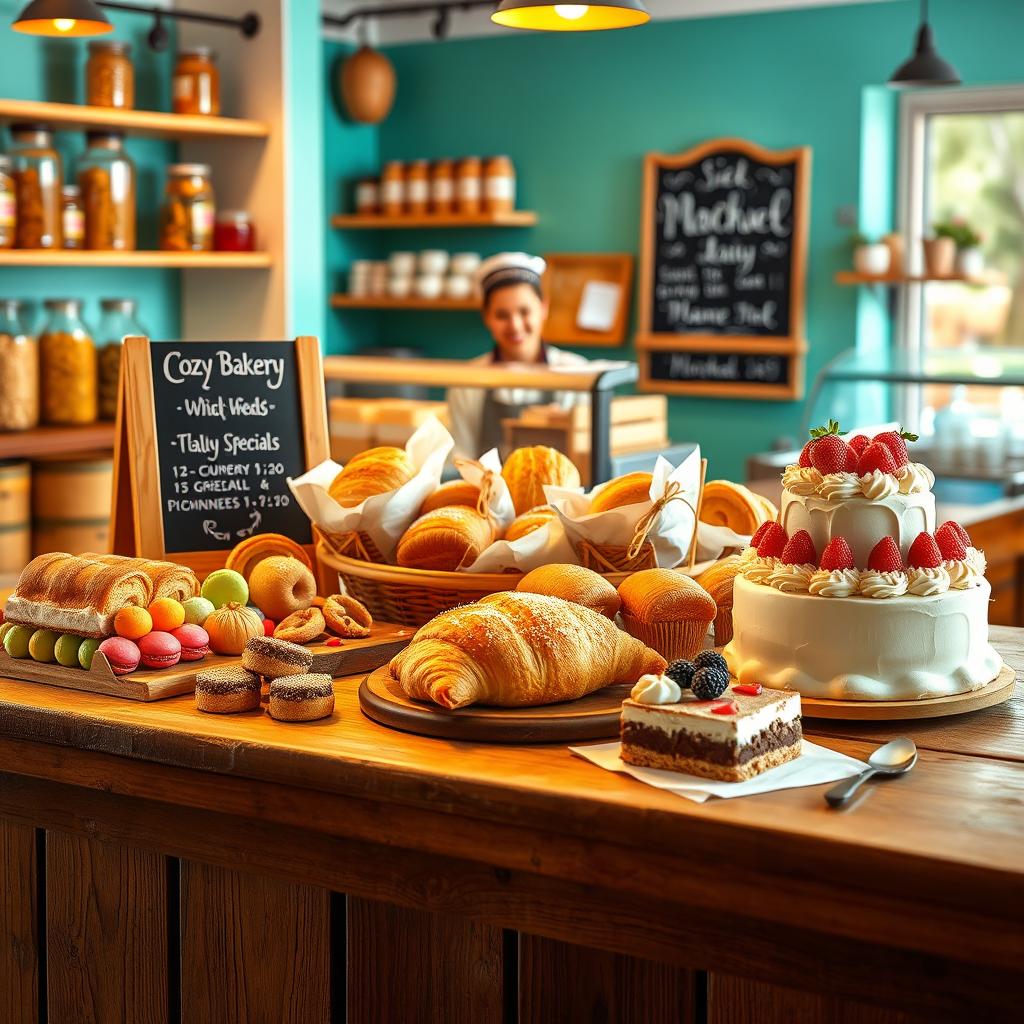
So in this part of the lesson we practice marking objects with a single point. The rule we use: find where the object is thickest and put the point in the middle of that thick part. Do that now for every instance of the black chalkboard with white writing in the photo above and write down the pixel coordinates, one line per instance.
(720, 367)
(229, 432)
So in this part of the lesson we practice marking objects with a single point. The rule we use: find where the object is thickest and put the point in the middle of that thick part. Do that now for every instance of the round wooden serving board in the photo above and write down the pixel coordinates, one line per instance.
(594, 717)
(1000, 689)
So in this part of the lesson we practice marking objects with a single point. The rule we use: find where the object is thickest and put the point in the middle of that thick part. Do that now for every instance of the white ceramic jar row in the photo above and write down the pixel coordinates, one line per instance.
(430, 274)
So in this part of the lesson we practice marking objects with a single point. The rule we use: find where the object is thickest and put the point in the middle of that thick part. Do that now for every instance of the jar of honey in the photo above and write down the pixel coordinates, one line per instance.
(233, 232)
(67, 366)
(8, 204)
(188, 212)
(109, 75)
(392, 189)
(195, 87)
(73, 218)
(442, 186)
(467, 185)
(499, 185)
(417, 188)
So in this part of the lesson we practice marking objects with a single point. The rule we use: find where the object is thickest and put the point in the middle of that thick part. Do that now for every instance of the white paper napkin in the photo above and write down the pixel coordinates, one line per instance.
(814, 766)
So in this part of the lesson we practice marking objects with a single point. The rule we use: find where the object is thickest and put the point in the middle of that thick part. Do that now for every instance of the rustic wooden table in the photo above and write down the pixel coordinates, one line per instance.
(158, 864)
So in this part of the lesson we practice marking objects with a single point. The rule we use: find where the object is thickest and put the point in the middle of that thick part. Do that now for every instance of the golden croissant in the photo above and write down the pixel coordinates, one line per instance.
(518, 650)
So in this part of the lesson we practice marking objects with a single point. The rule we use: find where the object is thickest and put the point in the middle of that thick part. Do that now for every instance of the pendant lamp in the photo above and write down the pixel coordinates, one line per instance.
(925, 67)
(548, 17)
(63, 18)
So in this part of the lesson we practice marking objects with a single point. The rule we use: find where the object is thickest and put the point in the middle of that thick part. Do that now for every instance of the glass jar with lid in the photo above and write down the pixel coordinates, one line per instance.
(106, 177)
(19, 370)
(118, 323)
(67, 365)
(188, 211)
(195, 88)
(38, 179)
(73, 217)
(109, 75)
(233, 231)
(8, 204)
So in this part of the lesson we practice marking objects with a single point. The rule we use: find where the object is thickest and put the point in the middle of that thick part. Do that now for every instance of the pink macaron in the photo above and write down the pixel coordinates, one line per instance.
(159, 650)
(122, 655)
(194, 640)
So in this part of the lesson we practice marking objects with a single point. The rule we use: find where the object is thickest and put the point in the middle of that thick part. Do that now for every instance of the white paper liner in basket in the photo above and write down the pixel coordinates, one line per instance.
(383, 518)
(485, 473)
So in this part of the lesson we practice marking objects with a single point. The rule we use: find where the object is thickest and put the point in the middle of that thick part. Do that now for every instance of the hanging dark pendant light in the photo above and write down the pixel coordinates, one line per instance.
(64, 18)
(925, 67)
(548, 17)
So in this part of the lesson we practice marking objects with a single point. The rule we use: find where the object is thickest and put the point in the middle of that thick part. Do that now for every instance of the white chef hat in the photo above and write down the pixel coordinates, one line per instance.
(508, 268)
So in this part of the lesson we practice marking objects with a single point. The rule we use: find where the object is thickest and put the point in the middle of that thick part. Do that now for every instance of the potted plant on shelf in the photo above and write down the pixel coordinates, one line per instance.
(870, 258)
(954, 248)
(970, 260)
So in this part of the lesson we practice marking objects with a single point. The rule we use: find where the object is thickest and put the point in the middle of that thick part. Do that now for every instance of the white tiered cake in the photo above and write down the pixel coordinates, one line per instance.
(854, 594)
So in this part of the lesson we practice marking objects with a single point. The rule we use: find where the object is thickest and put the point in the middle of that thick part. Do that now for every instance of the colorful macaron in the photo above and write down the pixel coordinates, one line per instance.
(122, 655)
(226, 691)
(194, 640)
(301, 698)
(159, 650)
(273, 658)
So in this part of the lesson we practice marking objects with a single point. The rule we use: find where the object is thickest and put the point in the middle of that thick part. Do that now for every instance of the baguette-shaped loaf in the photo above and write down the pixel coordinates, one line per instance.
(529, 521)
(527, 470)
(446, 539)
(178, 582)
(573, 583)
(375, 471)
(518, 650)
(624, 490)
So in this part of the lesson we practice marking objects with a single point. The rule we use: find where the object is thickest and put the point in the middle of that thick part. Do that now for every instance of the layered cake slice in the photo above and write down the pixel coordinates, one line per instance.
(745, 732)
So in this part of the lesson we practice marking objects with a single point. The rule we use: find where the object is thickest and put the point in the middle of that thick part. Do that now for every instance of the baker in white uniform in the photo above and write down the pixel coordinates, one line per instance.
(514, 311)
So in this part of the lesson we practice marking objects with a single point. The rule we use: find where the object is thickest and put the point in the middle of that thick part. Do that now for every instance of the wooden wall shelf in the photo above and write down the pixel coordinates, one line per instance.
(136, 258)
(28, 444)
(386, 302)
(852, 277)
(515, 219)
(151, 123)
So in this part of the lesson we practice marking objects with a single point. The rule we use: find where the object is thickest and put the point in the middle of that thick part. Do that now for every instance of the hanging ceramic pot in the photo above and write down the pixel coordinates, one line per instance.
(367, 85)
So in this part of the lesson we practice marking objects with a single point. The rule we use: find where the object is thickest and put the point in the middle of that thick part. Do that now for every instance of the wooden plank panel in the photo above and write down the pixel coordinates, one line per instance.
(19, 925)
(576, 985)
(419, 968)
(106, 932)
(253, 948)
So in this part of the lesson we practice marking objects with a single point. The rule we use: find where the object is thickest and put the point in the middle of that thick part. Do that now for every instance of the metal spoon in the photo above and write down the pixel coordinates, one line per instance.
(895, 758)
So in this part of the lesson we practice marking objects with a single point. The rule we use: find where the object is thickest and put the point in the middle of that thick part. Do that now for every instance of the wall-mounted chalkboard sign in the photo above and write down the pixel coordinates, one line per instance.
(722, 267)
(720, 367)
(209, 433)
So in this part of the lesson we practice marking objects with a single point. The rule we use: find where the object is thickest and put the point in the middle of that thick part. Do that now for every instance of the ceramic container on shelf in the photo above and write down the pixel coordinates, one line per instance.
(392, 189)
(417, 188)
(402, 264)
(442, 186)
(465, 263)
(499, 184)
(429, 286)
(939, 256)
(897, 252)
(468, 186)
(379, 277)
(400, 287)
(871, 259)
(970, 262)
(433, 261)
(458, 286)
(368, 196)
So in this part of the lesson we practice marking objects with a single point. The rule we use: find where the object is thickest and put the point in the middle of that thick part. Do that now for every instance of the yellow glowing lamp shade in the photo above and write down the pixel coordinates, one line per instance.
(65, 19)
(545, 17)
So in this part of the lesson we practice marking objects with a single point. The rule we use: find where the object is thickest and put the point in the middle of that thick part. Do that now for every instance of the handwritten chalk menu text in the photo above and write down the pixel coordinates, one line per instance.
(721, 367)
(229, 434)
(723, 256)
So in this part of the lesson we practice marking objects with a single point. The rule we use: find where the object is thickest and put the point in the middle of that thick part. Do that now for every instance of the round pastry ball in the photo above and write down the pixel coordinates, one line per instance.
(375, 471)
(527, 470)
(573, 583)
(281, 585)
(625, 490)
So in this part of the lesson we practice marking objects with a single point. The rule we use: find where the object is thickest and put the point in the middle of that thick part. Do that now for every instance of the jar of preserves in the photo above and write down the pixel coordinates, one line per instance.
(442, 186)
(8, 204)
(117, 324)
(106, 177)
(368, 196)
(73, 217)
(233, 231)
(19, 370)
(67, 365)
(392, 189)
(38, 179)
(499, 185)
(195, 88)
(417, 188)
(109, 75)
(467, 185)
(188, 213)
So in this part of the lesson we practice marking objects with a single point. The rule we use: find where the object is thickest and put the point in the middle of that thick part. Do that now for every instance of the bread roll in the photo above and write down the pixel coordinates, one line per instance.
(529, 521)
(718, 581)
(446, 539)
(455, 492)
(625, 490)
(667, 611)
(573, 583)
(527, 470)
(375, 471)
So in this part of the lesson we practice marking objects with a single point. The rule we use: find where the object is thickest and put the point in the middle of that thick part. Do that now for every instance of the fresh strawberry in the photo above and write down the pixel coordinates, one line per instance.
(876, 456)
(951, 526)
(852, 458)
(924, 552)
(829, 451)
(799, 549)
(896, 442)
(805, 454)
(951, 544)
(885, 556)
(760, 532)
(837, 555)
(858, 443)
(773, 542)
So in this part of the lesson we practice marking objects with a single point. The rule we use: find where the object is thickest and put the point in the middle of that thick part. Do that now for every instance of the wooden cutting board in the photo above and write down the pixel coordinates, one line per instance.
(353, 657)
(594, 717)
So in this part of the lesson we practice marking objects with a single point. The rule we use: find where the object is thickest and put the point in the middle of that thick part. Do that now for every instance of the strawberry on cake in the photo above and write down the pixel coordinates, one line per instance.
(891, 609)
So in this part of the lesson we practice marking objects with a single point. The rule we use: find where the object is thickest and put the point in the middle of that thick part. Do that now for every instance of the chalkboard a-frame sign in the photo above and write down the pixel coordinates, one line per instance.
(723, 256)
(207, 434)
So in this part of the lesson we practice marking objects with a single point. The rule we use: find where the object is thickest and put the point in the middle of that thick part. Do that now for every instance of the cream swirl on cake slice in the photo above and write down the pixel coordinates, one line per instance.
(877, 485)
(883, 585)
(914, 478)
(801, 479)
(928, 581)
(790, 578)
(835, 583)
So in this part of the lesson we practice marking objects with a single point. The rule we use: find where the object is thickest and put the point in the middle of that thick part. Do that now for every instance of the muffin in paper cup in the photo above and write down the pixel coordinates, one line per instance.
(681, 639)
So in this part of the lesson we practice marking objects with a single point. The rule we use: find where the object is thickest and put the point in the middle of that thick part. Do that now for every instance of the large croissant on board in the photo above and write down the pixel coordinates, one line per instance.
(518, 650)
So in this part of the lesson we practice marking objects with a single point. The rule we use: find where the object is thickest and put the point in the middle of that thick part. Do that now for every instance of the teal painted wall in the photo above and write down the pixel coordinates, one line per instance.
(43, 69)
(577, 114)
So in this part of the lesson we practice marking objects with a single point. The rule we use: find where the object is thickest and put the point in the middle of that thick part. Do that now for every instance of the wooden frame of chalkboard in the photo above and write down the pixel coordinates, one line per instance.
(234, 450)
(724, 317)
